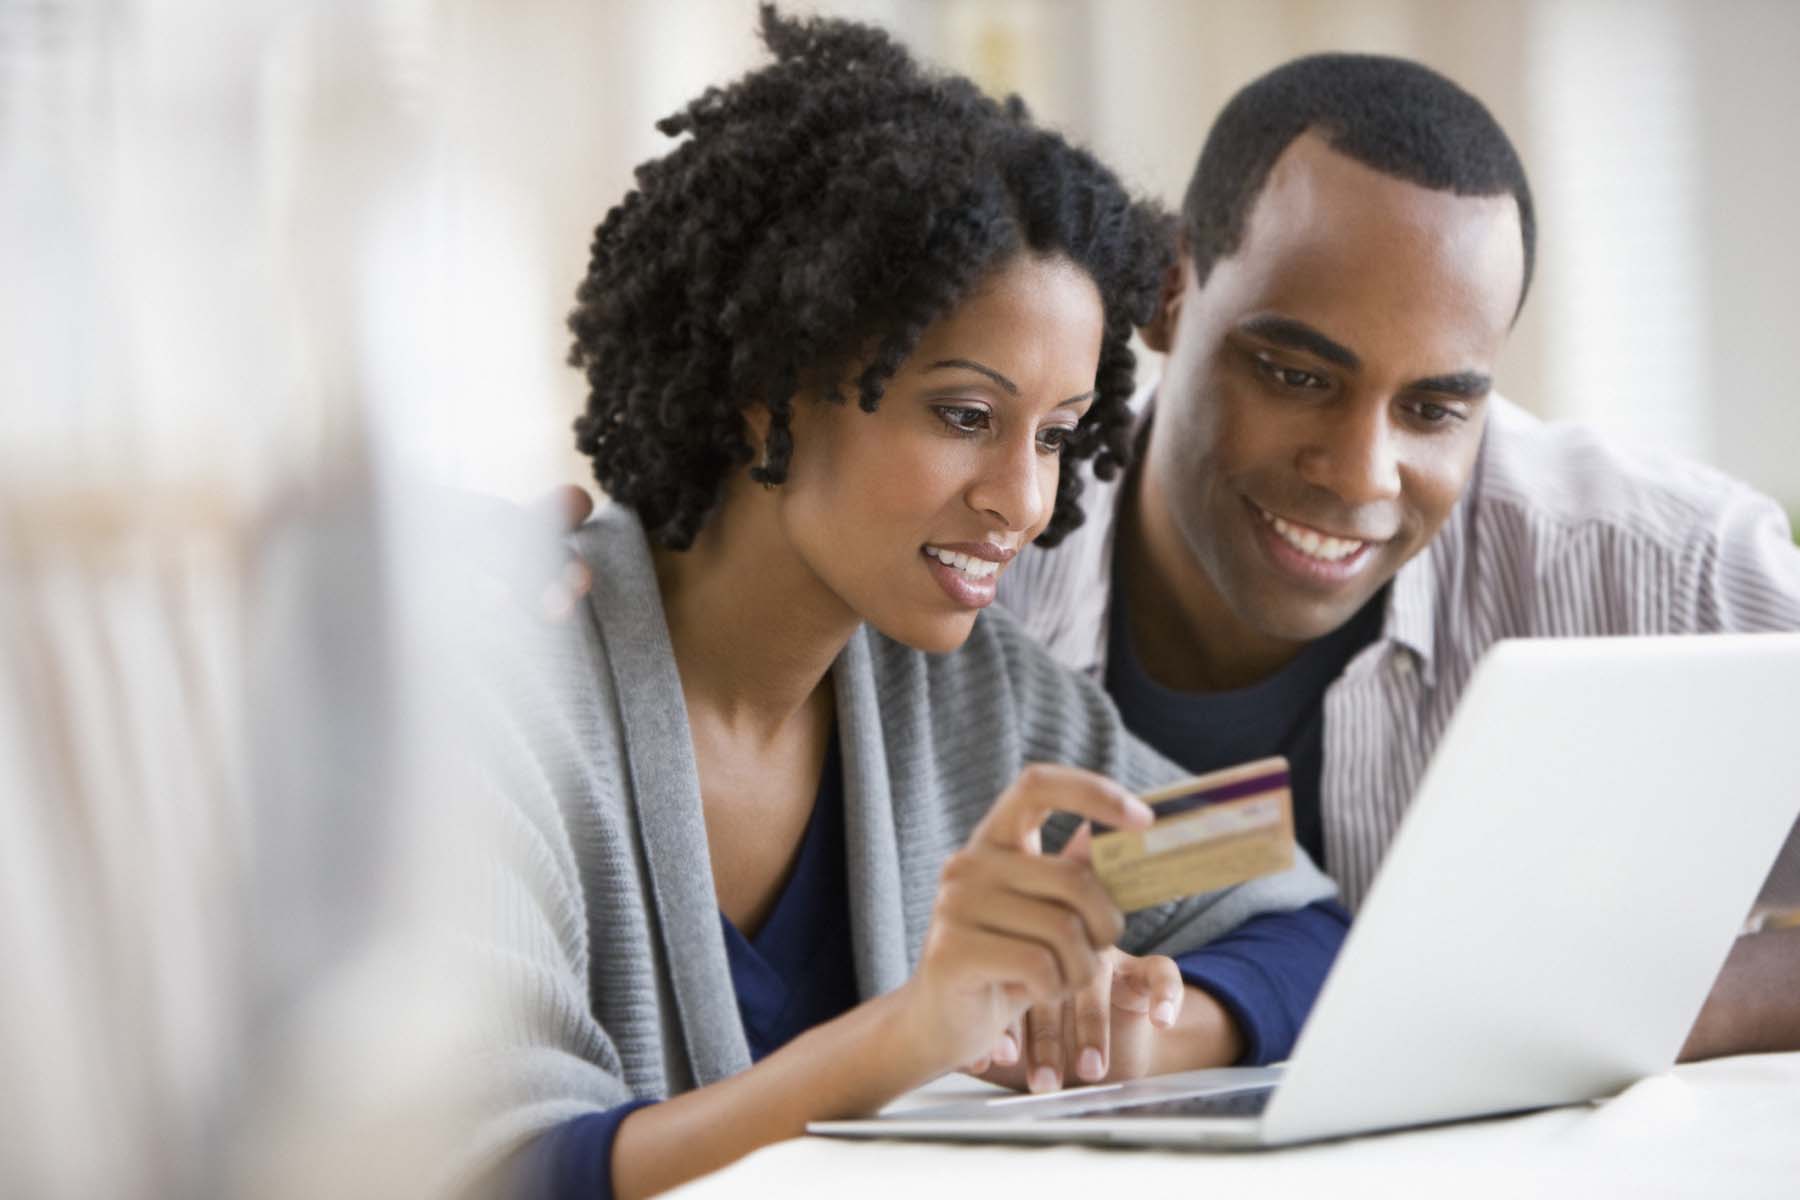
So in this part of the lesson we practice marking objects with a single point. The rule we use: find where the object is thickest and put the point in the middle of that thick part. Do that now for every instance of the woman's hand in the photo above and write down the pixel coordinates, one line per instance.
(1012, 927)
(1109, 1030)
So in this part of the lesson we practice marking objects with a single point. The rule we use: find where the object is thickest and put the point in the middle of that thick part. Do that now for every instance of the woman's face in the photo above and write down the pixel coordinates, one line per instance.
(909, 513)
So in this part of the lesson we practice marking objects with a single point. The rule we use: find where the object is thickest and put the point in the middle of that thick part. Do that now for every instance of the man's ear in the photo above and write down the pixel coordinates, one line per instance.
(1159, 334)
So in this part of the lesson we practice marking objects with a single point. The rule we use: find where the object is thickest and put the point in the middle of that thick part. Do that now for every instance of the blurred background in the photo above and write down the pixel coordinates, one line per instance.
(275, 271)
(1654, 132)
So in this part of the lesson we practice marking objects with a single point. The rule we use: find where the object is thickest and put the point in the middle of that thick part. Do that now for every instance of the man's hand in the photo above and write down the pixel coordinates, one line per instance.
(562, 510)
(1754, 1007)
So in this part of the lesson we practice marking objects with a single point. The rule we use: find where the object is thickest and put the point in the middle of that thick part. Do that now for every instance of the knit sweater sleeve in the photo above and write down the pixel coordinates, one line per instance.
(523, 921)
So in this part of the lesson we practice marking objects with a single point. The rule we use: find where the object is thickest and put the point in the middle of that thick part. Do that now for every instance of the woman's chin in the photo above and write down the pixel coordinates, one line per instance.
(933, 633)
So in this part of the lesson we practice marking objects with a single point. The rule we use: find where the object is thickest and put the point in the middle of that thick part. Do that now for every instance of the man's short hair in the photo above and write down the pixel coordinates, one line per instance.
(1392, 114)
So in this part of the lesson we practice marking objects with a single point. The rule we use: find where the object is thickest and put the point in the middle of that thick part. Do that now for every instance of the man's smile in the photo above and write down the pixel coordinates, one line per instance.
(1309, 554)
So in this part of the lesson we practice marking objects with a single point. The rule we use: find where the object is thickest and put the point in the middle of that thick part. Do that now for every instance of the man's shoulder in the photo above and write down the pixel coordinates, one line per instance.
(1566, 482)
(1567, 532)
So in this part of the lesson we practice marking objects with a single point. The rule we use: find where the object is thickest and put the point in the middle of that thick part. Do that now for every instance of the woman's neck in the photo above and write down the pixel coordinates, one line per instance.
(754, 630)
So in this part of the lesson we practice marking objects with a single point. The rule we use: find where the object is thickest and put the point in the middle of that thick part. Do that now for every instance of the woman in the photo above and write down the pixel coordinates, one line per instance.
(763, 877)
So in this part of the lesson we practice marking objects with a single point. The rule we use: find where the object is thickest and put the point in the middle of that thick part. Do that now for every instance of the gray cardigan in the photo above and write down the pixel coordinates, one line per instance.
(612, 973)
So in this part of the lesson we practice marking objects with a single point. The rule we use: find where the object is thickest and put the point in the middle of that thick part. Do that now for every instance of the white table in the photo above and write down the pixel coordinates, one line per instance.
(1724, 1128)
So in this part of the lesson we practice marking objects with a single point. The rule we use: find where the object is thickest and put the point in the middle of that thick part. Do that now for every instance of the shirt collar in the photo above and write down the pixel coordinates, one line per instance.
(1420, 585)
(1411, 619)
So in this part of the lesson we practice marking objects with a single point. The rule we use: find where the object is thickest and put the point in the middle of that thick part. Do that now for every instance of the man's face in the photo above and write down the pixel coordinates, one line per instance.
(1325, 390)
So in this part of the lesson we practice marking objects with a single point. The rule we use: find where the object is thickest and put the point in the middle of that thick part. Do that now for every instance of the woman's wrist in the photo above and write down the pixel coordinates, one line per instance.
(898, 1050)
(848, 1067)
(1204, 1035)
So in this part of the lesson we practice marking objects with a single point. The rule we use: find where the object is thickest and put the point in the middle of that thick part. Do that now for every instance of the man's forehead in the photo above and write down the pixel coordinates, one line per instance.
(1341, 241)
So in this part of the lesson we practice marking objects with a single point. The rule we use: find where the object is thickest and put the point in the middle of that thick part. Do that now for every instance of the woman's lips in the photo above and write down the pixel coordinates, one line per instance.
(968, 572)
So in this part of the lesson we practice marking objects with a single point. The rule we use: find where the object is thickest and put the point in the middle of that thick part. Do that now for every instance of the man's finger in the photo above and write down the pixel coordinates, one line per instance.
(563, 508)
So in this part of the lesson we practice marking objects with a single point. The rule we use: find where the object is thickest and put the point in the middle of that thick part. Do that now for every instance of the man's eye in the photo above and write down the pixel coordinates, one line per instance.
(962, 418)
(1431, 414)
(1290, 377)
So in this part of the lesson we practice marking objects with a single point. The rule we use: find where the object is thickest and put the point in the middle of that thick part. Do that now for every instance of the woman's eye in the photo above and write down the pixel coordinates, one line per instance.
(1055, 438)
(1290, 377)
(963, 418)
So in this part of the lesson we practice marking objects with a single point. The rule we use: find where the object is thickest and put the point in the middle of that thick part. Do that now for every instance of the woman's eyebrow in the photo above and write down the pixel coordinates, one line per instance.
(1012, 389)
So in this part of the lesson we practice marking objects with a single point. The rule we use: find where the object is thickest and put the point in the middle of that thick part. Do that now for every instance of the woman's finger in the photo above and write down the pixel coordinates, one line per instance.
(1027, 970)
(971, 876)
(1044, 1046)
(1093, 1024)
(1151, 985)
(1054, 926)
(1006, 1053)
(1044, 788)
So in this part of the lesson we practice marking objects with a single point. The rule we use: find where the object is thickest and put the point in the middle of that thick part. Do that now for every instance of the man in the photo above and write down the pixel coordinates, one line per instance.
(1333, 517)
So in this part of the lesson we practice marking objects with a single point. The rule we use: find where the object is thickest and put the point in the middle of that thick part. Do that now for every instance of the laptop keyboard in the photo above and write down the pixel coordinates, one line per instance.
(1245, 1102)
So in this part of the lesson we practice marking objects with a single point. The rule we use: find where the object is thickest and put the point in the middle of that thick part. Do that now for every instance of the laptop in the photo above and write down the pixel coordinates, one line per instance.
(1582, 851)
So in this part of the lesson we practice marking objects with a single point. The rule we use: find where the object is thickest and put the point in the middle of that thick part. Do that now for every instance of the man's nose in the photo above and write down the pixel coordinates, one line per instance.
(1353, 455)
(1014, 488)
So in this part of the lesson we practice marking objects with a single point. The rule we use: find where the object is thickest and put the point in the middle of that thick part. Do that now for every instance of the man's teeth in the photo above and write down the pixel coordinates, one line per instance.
(974, 568)
(1311, 542)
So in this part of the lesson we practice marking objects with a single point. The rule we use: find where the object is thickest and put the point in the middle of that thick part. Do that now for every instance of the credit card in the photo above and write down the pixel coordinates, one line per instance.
(1211, 831)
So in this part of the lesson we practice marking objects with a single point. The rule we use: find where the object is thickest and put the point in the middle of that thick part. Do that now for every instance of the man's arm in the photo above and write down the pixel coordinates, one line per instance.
(1745, 578)
(1754, 1006)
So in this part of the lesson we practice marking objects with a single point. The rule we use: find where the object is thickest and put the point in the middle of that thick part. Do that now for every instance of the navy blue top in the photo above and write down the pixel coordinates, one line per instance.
(798, 972)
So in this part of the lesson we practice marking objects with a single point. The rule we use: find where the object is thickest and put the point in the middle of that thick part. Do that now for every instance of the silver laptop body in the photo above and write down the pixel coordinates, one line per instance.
(1581, 854)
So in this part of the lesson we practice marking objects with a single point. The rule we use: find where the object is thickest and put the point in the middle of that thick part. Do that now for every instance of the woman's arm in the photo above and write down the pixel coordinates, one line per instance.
(844, 1068)
(1010, 927)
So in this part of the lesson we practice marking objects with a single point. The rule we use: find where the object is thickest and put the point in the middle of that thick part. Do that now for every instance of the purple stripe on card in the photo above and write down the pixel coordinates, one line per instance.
(1232, 791)
(1268, 781)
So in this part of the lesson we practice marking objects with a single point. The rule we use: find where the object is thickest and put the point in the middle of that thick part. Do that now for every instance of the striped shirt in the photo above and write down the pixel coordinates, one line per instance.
(1557, 535)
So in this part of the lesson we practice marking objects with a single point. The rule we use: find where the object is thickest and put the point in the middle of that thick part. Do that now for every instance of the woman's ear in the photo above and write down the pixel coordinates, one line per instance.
(1159, 334)
(756, 424)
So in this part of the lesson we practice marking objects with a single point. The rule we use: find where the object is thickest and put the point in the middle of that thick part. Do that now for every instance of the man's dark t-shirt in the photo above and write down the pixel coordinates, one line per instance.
(1284, 714)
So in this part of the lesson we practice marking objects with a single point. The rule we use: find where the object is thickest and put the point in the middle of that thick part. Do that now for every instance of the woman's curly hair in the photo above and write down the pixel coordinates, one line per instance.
(824, 210)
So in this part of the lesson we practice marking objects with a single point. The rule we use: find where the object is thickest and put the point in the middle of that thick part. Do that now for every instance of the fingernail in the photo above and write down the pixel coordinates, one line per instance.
(1088, 1066)
(1164, 1014)
(1138, 810)
(1043, 1079)
(1008, 1051)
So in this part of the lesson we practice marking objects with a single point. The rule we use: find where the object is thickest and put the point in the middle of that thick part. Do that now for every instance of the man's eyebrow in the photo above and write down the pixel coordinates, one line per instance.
(1298, 335)
(1468, 385)
(1012, 389)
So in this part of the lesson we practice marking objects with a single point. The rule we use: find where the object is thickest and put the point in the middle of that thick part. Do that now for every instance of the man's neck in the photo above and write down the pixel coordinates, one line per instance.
(1184, 635)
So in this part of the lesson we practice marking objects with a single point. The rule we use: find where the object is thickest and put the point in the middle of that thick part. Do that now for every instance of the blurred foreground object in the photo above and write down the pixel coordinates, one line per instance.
(230, 822)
